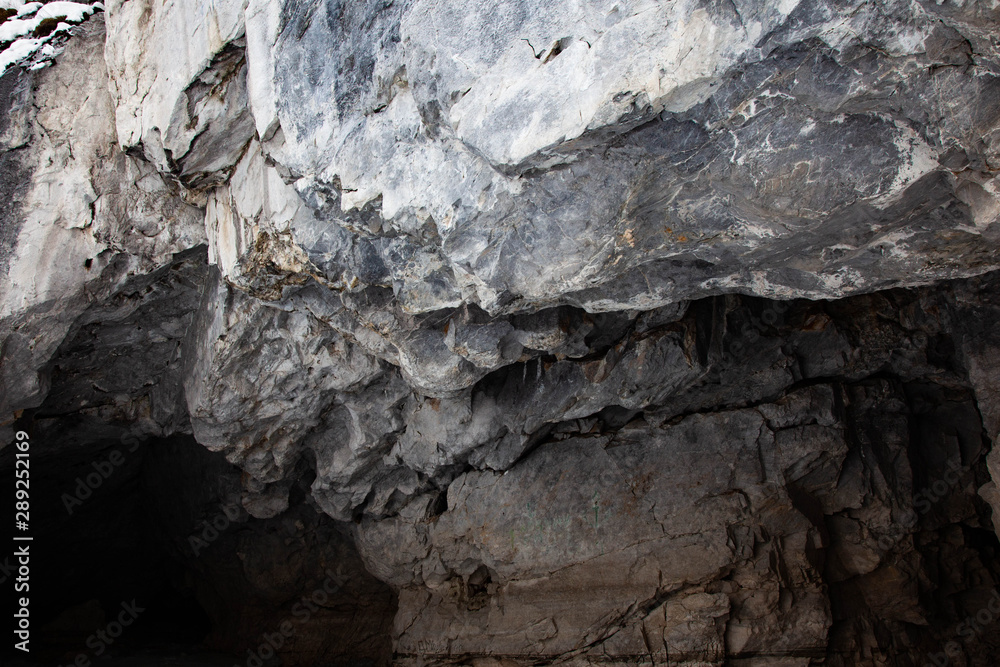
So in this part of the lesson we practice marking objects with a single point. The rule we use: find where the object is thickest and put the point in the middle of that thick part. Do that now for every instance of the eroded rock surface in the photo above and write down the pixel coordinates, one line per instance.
(618, 333)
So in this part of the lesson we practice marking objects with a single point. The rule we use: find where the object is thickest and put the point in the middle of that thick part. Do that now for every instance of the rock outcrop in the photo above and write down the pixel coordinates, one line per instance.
(621, 332)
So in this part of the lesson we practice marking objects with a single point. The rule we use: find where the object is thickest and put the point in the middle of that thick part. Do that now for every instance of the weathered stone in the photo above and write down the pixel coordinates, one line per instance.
(612, 333)
(77, 202)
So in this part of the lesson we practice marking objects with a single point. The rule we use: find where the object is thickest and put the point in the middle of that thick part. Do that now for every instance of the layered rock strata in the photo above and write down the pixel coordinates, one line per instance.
(618, 333)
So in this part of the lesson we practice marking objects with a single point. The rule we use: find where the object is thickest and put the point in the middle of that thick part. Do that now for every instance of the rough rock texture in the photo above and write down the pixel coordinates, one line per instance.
(82, 218)
(609, 332)
(711, 534)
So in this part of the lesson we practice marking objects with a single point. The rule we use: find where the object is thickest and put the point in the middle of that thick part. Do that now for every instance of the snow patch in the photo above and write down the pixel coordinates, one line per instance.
(74, 12)
(14, 28)
(19, 50)
(30, 16)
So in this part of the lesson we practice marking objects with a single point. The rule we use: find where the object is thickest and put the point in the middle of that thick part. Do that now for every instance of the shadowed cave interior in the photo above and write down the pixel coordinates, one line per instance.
(154, 534)
(160, 521)
(503, 334)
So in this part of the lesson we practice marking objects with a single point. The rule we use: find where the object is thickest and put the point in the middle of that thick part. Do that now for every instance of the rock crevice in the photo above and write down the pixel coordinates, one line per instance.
(619, 333)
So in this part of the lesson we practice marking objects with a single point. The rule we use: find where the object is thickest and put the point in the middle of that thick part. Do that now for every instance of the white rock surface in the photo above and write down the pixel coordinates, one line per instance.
(156, 51)
(83, 201)
(481, 282)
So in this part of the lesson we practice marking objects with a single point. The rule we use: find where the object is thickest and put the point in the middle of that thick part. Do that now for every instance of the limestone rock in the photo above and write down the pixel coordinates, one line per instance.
(82, 216)
(605, 333)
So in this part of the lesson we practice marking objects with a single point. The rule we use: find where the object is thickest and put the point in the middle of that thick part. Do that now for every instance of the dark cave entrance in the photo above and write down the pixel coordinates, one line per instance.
(140, 555)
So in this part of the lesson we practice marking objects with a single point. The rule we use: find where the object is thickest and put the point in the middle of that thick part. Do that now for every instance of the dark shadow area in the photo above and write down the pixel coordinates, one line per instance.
(142, 554)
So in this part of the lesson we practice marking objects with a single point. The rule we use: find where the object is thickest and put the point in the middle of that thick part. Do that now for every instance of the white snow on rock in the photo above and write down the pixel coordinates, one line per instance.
(14, 28)
(18, 51)
(71, 11)
(30, 15)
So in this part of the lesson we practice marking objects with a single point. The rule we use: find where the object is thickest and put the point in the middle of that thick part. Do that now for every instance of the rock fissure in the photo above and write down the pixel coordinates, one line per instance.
(669, 342)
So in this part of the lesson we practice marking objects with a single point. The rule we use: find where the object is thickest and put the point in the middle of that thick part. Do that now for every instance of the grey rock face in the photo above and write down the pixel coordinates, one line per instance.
(83, 216)
(618, 530)
(730, 155)
(611, 333)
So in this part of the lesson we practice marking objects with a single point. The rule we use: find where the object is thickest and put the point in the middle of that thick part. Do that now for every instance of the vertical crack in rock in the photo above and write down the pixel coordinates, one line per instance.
(422, 333)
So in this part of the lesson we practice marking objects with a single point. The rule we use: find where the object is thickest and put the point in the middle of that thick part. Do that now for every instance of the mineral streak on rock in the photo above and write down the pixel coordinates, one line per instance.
(599, 333)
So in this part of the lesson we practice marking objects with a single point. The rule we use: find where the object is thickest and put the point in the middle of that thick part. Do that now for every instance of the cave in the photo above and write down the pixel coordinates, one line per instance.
(411, 334)
(140, 563)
